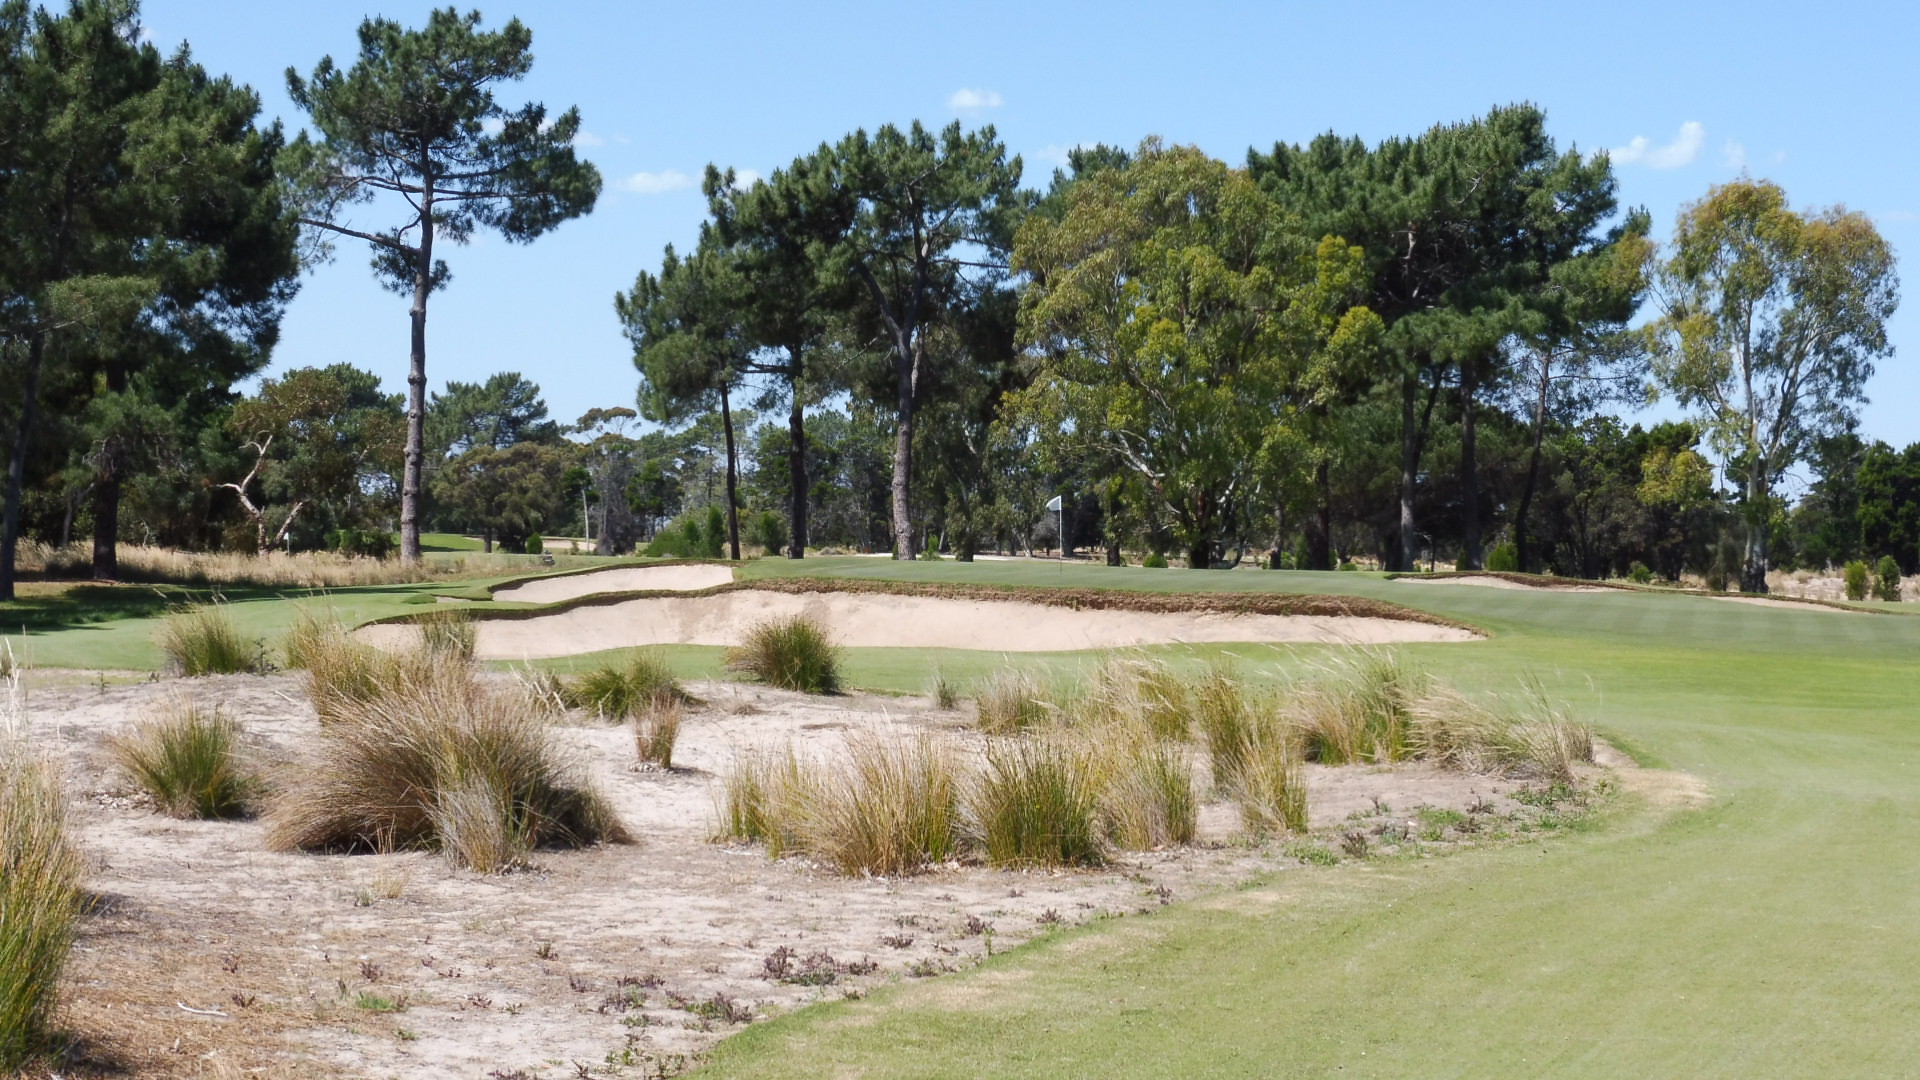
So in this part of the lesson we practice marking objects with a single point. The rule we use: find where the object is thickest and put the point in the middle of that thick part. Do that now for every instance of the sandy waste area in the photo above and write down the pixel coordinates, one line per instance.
(208, 955)
(878, 619)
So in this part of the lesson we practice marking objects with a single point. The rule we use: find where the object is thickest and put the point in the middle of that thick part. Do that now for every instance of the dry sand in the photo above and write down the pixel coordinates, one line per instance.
(878, 619)
(1490, 582)
(208, 955)
(1789, 605)
(684, 578)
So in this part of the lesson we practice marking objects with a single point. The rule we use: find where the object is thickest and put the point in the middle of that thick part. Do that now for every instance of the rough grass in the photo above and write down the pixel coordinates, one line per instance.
(188, 759)
(1357, 709)
(793, 654)
(437, 760)
(1266, 783)
(763, 798)
(203, 641)
(450, 631)
(892, 807)
(342, 675)
(306, 570)
(1524, 734)
(39, 898)
(1147, 799)
(656, 728)
(1011, 701)
(1036, 803)
(618, 691)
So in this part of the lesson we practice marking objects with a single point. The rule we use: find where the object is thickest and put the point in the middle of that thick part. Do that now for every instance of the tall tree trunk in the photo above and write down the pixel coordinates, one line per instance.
(106, 527)
(1320, 537)
(903, 458)
(797, 468)
(1409, 468)
(17, 465)
(733, 480)
(1520, 541)
(1469, 469)
(410, 483)
(1753, 575)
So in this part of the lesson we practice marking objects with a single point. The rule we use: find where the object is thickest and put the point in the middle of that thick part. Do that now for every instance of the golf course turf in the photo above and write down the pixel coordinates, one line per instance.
(1774, 932)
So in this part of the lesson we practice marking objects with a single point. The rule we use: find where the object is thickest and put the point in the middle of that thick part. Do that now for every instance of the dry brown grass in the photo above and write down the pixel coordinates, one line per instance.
(1147, 795)
(39, 897)
(1522, 734)
(435, 759)
(1357, 708)
(306, 570)
(656, 728)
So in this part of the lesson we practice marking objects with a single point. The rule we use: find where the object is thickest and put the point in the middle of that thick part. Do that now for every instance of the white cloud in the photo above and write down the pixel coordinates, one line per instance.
(1904, 217)
(746, 178)
(1056, 155)
(1681, 151)
(968, 100)
(1734, 154)
(657, 183)
(1779, 156)
(588, 138)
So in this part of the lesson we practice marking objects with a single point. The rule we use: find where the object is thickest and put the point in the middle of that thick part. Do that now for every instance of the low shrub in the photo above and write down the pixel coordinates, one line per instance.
(203, 641)
(1503, 559)
(656, 728)
(188, 759)
(1886, 579)
(1640, 574)
(1037, 803)
(1010, 701)
(615, 692)
(687, 537)
(1154, 561)
(533, 545)
(791, 653)
(1855, 577)
(39, 899)
(435, 760)
(768, 530)
(1147, 798)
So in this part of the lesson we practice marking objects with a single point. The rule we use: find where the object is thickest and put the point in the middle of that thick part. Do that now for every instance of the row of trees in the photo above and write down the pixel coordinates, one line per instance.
(1203, 349)
(1409, 349)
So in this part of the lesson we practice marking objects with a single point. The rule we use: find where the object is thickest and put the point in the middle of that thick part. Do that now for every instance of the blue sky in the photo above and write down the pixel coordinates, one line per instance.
(1821, 98)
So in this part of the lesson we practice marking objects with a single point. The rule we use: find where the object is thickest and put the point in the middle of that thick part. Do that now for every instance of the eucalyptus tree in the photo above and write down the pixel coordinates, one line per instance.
(933, 222)
(1180, 320)
(415, 125)
(691, 345)
(1770, 321)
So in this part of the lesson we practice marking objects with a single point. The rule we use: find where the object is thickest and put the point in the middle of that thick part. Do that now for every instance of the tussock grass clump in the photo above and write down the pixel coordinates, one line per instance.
(944, 693)
(615, 692)
(793, 654)
(892, 808)
(39, 898)
(1010, 702)
(541, 691)
(1522, 735)
(1136, 692)
(436, 760)
(1358, 710)
(307, 637)
(1147, 799)
(1266, 784)
(343, 675)
(764, 796)
(1037, 803)
(450, 631)
(203, 641)
(1227, 718)
(188, 759)
(656, 729)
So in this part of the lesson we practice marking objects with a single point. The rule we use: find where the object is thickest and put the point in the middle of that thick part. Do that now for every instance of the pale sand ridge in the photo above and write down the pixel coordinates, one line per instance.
(684, 578)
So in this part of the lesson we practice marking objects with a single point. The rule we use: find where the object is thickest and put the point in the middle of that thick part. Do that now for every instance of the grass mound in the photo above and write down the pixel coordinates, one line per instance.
(39, 898)
(436, 760)
(793, 654)
(204, 641)
(616, 691)
(188, 759)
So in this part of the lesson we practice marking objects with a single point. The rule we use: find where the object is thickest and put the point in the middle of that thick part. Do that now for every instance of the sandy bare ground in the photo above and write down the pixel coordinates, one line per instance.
(1789, 605)
(1490, 582)
(876, 619)
(209, 955)
(621, 579)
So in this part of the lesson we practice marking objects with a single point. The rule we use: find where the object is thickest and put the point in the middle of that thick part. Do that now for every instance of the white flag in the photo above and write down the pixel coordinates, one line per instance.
(1055, 504)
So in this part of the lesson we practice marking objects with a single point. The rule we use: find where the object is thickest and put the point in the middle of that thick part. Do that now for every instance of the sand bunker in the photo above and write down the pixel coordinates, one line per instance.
(1790, 605)
(879, 619)
(1490, 582)
(684, 578)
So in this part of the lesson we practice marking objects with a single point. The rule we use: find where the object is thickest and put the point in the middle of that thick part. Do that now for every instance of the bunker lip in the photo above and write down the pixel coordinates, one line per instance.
(985, 619)
(676, 576)
(1503, 579)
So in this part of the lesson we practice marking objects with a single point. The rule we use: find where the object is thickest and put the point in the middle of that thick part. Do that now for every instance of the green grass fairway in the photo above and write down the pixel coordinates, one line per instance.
(1776, 933)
